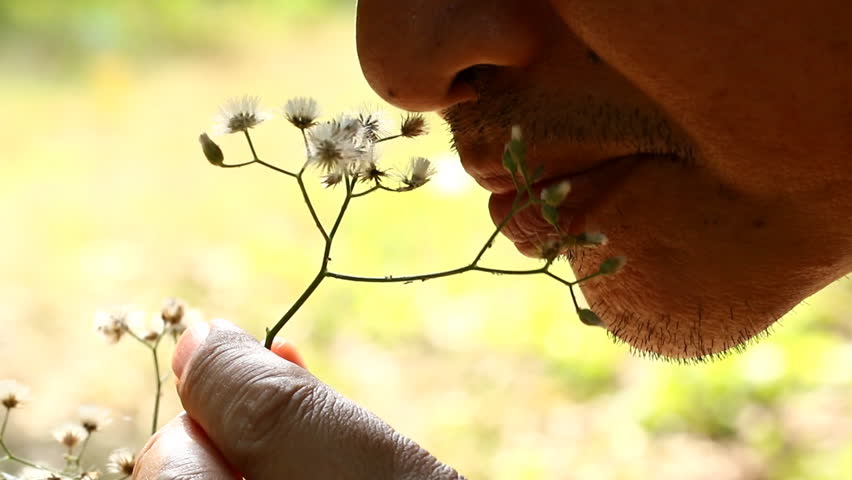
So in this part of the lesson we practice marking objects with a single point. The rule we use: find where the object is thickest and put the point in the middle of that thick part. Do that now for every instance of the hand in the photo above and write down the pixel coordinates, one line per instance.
(260, 414)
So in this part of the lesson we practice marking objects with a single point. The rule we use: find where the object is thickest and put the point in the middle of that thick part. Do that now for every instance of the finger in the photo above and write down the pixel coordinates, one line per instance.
(272, 419)
(287, 351)
(181, 449)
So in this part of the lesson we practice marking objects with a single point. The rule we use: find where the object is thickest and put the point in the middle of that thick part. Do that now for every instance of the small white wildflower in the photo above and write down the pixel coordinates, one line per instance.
(336, 145)
(240, 114)
(413, 125)
(331, 179)
(372, 125)
(13, 394)
(420, 170)
(121, 461)
(516, 133)
(301, 112)
(93, 475)
(556, 194)
(593, 238)
(173, 311)
(93, 418)
(70, 435)
(113, 325)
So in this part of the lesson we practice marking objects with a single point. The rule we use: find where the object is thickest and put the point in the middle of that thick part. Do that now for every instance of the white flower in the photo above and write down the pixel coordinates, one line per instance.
(337, 145)
(413, 125)
(70, 435)
(13, 394)
(372, 124)
(121, 461)
(240, 114)
(556, 194)
(93, 418)
(301, 112)
(420, 170)
(331, 179)
(113, 325)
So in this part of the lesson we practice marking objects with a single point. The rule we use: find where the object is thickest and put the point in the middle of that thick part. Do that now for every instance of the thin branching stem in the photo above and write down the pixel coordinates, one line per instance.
(11, 457)
(5, 422)
(153, 347)
(237, 165)
(158, 394)
(323, 271)
(387, 139)
(304, 190)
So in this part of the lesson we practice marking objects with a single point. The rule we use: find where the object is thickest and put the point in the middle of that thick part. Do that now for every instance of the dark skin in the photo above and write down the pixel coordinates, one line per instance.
(716, 141)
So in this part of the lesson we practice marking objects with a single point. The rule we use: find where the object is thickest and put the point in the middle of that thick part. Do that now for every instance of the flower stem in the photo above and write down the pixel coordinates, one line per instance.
(157, 375)
(9, 456)
(158, 393)
(323, 271)
(83, 449)
(5, 422)
(304, 190)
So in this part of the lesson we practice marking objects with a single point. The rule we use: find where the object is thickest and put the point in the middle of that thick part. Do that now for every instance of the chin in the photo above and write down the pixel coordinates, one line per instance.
(709, 271)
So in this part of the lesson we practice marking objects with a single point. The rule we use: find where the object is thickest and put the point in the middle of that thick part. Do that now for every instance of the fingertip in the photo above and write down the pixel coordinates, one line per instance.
(187, 346)
(287, 351)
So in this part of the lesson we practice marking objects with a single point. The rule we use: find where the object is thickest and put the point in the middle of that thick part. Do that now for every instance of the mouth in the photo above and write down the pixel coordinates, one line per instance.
(591, 187)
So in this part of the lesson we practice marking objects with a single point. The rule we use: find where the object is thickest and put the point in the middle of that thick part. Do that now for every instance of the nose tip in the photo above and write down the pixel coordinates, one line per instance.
(412, 52)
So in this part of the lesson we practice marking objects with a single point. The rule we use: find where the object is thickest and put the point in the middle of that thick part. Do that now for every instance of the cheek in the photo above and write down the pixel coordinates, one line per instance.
(707, 268)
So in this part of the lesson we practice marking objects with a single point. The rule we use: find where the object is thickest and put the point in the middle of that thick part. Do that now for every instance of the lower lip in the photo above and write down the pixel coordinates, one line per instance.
(588, 190)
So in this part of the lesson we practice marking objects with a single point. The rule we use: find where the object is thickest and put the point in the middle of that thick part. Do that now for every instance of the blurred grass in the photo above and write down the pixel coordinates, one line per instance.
(105, 199)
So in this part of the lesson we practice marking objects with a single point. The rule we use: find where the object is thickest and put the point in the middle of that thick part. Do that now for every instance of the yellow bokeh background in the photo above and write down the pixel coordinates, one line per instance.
(106, 200)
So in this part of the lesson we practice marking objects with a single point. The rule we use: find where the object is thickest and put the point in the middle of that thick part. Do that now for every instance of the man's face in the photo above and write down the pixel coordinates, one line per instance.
(710, 141)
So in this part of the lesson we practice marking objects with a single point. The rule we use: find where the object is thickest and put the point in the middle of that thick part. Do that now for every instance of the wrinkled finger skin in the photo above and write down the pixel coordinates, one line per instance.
(181, 450)
(255, 413)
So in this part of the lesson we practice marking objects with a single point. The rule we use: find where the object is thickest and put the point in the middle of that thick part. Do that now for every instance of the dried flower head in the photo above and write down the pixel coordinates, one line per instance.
(13, 394)
(331, 179)
(301, 112)
(420, 171)
(173, 311)
(211, 151)
(336, 145)
(70, 435)
(121, 461)
(93, 418)
(94, 475)
(113, 325)
(240, 114)
(413, 125)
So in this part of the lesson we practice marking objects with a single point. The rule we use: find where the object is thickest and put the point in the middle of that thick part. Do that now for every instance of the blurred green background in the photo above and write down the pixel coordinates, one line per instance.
(106, 200)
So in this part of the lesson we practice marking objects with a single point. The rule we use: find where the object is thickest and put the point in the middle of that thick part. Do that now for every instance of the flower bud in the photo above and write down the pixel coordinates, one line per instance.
(612, 265)
(551, 214)
(554, 195)
(211, 150)
(590, 318)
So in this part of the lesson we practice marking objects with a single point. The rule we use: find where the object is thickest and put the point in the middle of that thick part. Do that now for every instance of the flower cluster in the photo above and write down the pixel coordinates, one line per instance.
(74, 437)
(343, 148)
(114, 325)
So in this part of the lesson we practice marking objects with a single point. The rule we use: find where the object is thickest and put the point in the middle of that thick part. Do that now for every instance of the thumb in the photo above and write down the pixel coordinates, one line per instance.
(272, 419)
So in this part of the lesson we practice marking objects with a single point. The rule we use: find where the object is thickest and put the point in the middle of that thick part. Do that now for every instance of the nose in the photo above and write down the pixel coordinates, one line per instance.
(412, 51)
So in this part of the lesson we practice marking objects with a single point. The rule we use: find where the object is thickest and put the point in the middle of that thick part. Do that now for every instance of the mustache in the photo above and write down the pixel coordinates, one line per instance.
(546, 116)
